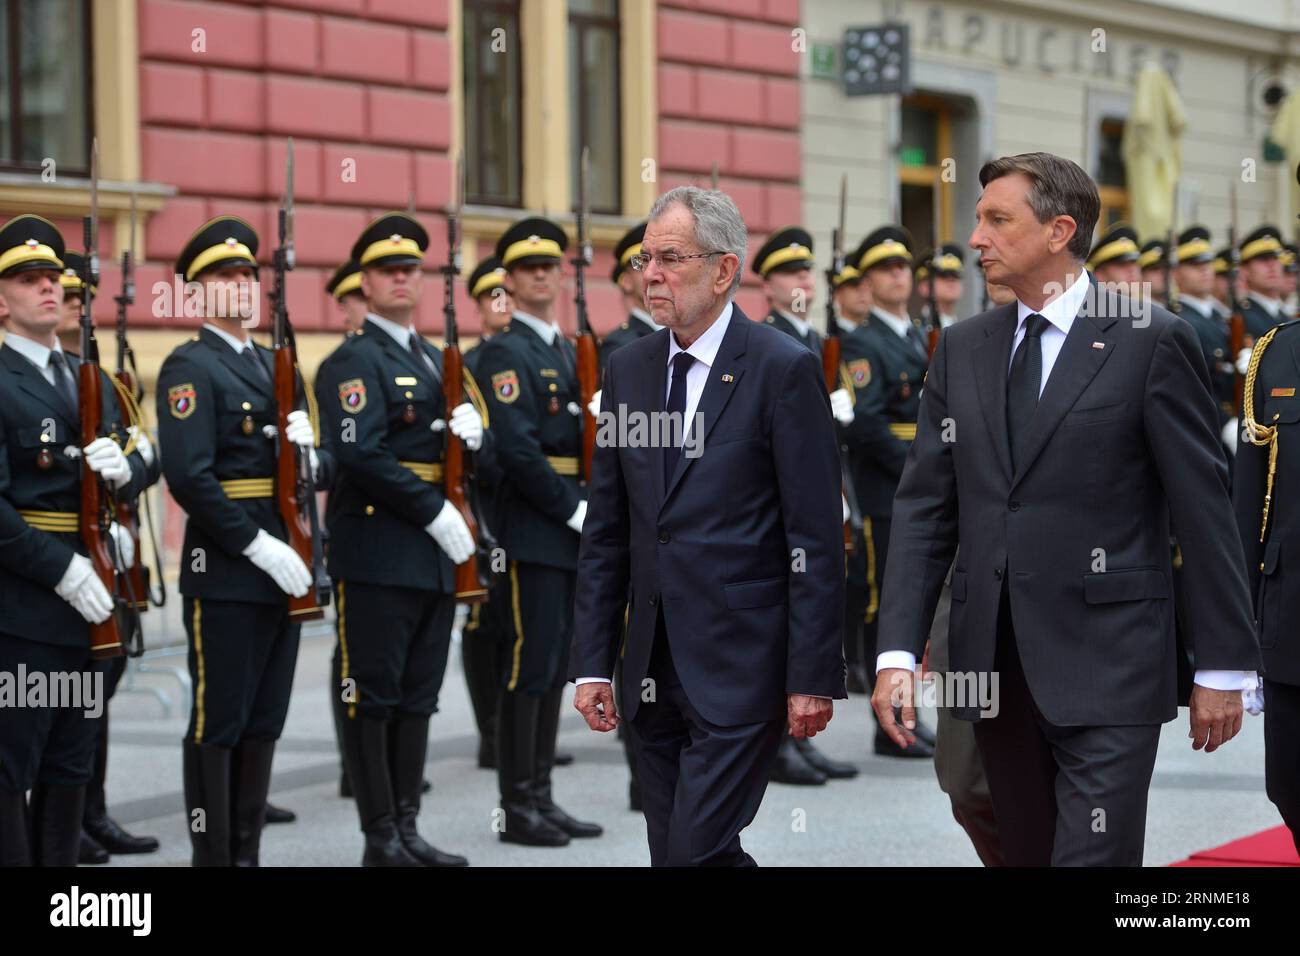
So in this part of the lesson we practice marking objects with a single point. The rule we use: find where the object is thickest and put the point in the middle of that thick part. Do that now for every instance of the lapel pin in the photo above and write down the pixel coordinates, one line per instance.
(728, 377)
(1099, 345)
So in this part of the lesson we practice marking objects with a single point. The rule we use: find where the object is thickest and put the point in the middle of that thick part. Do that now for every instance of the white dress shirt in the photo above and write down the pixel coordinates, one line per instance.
(800, 325)
(1272, 306)
(644, 316)
(847, 327)
(899, 323)
(705, 351)
(547, 330)
(1204, 307)
(1060, 314)
(37, 354)
(401, 334)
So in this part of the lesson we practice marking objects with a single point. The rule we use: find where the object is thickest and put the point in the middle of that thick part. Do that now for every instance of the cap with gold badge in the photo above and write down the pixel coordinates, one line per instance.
(346, 280)
(394, 239)
(1264, 241)
(1194, 247)
(487, 275)
(1152, 254)
(224, 241)
(627, 247)
(1117, 244)
(531, 241)
(785, 250)
(74, 264)
(951, 261)
(30, 242)
(1288, 257)
(883, 246)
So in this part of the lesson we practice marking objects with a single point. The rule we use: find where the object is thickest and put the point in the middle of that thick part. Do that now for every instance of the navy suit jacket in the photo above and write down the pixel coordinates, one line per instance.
(742, 552)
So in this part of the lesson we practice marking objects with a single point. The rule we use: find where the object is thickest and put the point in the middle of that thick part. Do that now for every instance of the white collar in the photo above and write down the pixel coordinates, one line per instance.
(845, 325)
(1202, 305)
(1274, 306)
(644, 316)
(900, 324)
(705, 348)
(1061, 311)
(34, 352)
(230, 340)
(401, 334)
(801, 325)
(547, 330)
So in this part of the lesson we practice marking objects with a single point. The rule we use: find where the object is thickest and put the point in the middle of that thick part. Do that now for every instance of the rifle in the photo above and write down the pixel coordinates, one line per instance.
(295, 489)
(588, 363)
(96, 513)
(130, 393)
(471, 587)
(932, 338)
(1236, 321)
(831, 353)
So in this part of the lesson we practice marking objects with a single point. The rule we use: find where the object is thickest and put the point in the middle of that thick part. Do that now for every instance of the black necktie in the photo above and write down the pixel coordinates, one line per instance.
(676, 409)
(416, 345)
(918, 343)
(561, 345)
(63, 379)
(252, 359)
(1024, 384)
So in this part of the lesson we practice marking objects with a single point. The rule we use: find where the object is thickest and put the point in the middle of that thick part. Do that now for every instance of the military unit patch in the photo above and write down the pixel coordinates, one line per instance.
(181, 400)
(860, 371)
(505, 385)
(352, 395)
(1282, 393)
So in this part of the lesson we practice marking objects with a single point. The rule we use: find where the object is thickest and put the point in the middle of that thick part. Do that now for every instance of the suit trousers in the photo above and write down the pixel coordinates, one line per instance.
(1282, 752)
(1063, 796)
(701, 783)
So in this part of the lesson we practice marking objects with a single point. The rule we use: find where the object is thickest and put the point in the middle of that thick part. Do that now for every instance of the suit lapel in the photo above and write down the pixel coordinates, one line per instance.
(992, 358)
(1076, 366)
(232, 361)
(397, 350)
(31, 381)
(717, 393)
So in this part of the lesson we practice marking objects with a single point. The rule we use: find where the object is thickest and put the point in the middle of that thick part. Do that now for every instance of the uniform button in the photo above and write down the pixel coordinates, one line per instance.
(410, 394)
(246, 406)
(998, 574)
(663, 539)
(370, 509)
(1014, 505)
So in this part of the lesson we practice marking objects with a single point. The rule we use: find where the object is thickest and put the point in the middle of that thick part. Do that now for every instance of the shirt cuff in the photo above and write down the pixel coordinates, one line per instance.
(904, 659)
(591, 680)
(1225, 680)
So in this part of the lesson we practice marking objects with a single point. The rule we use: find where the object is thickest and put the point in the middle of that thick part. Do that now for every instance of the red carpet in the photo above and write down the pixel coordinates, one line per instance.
(1270, 848)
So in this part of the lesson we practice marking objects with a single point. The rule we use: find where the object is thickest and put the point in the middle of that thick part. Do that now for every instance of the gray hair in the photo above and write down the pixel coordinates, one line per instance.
(1058, 187)
(718, 226)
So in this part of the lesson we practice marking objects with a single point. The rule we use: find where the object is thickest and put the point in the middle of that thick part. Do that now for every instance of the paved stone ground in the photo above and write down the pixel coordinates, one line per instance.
(892, 814)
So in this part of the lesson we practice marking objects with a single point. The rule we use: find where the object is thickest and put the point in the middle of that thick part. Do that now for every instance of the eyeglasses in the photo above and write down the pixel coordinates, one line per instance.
(667, 260)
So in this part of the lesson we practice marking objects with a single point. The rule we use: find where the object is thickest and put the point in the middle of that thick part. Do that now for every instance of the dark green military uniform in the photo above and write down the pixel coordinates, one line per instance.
(1211, 328)
(216, 405)
(1259, 314)
(1266, 496)
(45, 749)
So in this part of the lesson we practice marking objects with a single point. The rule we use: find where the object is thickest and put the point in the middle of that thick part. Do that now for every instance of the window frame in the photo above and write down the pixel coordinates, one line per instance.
(614, 26)
(509, 8)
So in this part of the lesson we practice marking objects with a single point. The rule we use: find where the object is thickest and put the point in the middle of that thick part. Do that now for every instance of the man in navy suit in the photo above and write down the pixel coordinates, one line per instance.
(729, 540)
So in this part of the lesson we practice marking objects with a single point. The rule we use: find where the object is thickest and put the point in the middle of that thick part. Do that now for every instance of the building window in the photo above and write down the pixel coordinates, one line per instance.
(926, 142)
(1112, 178)
(45, 111)
(594, 98)
(493, 103)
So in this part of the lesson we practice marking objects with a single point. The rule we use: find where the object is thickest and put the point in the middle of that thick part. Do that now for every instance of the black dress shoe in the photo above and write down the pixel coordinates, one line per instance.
(884, 747)
(834, 769)
(115, 840)
(791, 767)
(90, 853)
(276, 814)
(922, 732)
(563, 759)
(578, 829)
(384, 848)
(857, 681)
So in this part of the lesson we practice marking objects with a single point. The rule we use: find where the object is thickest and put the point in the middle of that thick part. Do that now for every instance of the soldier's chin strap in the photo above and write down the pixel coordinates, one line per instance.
(1255, 433)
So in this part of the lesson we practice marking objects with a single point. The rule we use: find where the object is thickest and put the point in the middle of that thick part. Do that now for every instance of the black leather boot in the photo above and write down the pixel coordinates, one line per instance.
(207, 789)
(479, 655)
(274, 814)
(15, 829)
(834, 769)
(251, 779)
(112, 838)
(337, 712)
(408, 745)
(791, 767)
(56, 823)
(365, 751)
(548, 726)
(517, 716)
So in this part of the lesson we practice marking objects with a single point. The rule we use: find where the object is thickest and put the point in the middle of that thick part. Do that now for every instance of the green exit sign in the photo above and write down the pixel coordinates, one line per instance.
(823, 61)
(912, 155)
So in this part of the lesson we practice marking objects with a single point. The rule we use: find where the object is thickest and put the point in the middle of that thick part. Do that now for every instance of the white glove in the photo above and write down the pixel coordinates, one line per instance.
(593, 406)
(1252, 698)
(81, 588)
(579, 515)
(281, 562)
(845, 502)
(467, 426)
(297, 428)
(105, 458)
(1243, 361)
(452, 534)
(842, 406)
(142, 444)
(125, 546)
(1230, 435)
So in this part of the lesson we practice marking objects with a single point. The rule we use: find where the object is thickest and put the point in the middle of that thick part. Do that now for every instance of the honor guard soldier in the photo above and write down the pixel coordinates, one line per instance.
(50, 587)
(1194, 275)
(217, 425)
(1114, 258)
(1222, 300)
(69, 331)
(537, 420)
(1261, 265)
(785, 265)
(632, 284)
(345, 287)
(395, 540)
(484, 633)
(948, 282)
(1266, 492)
(886, 364)
(1290, 269)
(1151, 266)
(852, 298)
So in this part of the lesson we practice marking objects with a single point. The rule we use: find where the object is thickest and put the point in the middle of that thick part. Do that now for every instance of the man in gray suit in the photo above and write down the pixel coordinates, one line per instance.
(1059, 437)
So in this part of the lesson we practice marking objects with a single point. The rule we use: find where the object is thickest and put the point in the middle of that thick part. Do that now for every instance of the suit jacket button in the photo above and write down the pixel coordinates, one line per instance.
(663, 539)
(1014, 505)
(998, 574)
(370, 509)
(654, 599)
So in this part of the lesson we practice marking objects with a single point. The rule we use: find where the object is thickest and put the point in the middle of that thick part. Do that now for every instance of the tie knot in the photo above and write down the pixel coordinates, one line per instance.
(58, 360)
(1034, 325)
(682, 363)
